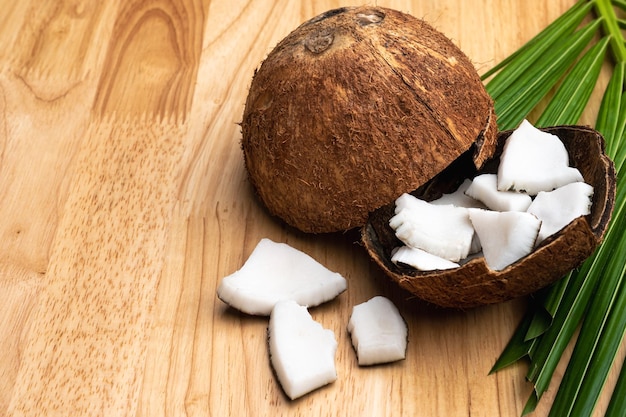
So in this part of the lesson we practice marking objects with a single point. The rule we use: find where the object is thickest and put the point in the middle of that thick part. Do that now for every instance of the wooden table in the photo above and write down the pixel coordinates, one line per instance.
(124, 201)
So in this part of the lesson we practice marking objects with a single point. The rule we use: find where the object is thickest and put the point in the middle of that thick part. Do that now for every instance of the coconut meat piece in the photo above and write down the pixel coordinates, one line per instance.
(442, 230)
(505, 236)
(275, 272)
(420, 259)
(484, 188)
(302, 352)
(459, 198)
(379, 333)
(533, 160)
(556, 209)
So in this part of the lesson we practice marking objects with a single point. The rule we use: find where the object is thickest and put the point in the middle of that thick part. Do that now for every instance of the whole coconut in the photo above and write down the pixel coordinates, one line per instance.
(355, 107)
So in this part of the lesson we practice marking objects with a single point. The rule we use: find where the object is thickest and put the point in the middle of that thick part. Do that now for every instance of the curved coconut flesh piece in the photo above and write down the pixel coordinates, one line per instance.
(275, 272)
(557, 208)
(338, 111)
(420, 259)
(484, 188)
(474, 283)
(378, 332)
(444, 231)
(459, 197)
(505, 236)
(302, 352)
(533, 160)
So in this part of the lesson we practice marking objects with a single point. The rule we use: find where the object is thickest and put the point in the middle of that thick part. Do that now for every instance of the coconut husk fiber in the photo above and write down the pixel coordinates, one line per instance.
(355, 107)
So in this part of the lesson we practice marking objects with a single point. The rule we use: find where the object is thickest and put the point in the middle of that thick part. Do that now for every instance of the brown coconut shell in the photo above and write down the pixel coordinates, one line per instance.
(355, 107)
(473, 283)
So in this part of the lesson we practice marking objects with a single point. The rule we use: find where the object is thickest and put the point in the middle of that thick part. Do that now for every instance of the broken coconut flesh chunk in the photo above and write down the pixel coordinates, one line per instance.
(459, 198)
(444, 231)
(275, 272)
(302, 352)
(420, 259)
(484, 188)
(533, 160)
(505, 236)
(378, 331)
(556, 209)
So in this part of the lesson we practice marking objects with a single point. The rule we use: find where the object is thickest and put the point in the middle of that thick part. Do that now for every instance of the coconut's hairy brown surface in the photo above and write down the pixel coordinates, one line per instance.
(355, 107)
(474, 284)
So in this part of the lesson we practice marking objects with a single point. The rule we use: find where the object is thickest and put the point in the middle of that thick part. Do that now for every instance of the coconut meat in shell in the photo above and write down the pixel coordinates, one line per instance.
(474, 282)
(355, 107)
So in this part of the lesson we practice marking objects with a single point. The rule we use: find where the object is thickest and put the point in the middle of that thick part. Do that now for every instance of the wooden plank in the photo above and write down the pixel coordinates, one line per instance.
(87, 340)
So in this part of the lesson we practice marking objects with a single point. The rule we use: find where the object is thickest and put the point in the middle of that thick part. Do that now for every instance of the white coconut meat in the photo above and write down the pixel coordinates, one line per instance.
(556, 209)
(459, 198)
(275, 272)
(420, 259)
(302, 352)
(505, 236)
(533, 160)
(442, 230)
(484, 188)
(378, 331)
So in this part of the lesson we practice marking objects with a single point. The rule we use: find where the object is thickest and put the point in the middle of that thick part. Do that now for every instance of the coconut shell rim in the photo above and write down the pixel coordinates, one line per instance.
(580, 238)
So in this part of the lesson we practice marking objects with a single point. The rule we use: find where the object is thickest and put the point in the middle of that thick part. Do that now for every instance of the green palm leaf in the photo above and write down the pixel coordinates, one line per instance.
(547, 302)
(608, 119)
(594, 295)
(532, 86)
(618, 400)
(534, 49)
(583, 380)
(570, 100)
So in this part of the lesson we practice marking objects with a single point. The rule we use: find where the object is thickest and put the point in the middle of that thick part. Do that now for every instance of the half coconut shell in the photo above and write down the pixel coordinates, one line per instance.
(474, 283)
(355, 107)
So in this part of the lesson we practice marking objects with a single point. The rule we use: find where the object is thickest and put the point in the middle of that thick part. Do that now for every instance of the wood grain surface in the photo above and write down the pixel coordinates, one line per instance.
(124, 201)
